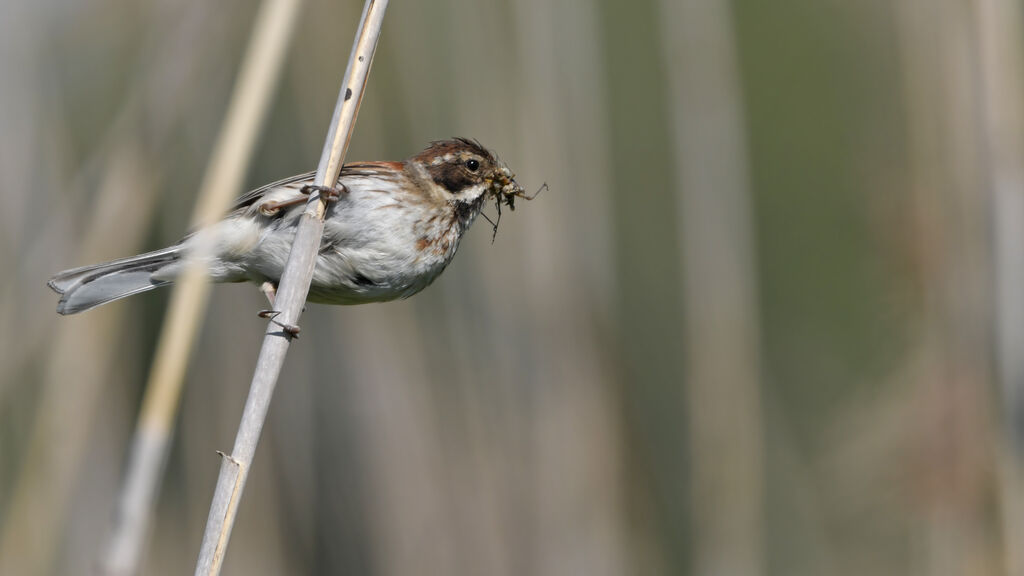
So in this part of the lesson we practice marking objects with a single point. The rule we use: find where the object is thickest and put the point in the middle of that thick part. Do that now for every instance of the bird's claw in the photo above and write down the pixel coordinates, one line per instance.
(290, 329)
(326, 192)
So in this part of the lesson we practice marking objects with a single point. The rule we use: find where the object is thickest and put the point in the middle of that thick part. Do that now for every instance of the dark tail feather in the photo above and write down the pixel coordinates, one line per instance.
(85, 288)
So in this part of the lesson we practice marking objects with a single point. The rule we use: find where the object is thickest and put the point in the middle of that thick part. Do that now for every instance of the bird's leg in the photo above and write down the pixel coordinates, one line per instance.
(329, 194)
(269, 290)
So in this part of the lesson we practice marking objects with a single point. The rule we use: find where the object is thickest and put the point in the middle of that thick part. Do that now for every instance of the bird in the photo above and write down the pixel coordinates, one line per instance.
(390, 229)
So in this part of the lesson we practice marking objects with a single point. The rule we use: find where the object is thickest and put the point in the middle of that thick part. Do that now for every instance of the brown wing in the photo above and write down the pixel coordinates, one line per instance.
(354, 169)
(247, 199)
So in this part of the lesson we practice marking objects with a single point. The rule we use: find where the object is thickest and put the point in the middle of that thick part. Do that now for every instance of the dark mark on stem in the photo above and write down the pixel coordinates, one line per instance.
(348, 94)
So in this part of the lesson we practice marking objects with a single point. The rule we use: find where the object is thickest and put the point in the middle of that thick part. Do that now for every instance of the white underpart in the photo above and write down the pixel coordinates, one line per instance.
(371, 249)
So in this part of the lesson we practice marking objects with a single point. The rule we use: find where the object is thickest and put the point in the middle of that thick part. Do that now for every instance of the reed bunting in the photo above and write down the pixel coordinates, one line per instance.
(390, 229)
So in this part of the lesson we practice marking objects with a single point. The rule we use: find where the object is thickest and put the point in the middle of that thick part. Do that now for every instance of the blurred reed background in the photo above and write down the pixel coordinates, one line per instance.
(767, 320)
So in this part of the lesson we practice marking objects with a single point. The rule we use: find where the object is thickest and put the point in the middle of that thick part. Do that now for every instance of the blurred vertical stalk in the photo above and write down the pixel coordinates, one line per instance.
(81, 353)
(720, 288)
(575, 498)
(1001, 55)
(951, 227)
(260, 71)
(647, 295)
(291, 296)
(76, 374)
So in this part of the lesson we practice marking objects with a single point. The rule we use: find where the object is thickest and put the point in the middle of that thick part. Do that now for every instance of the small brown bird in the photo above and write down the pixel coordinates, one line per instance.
(390, 230)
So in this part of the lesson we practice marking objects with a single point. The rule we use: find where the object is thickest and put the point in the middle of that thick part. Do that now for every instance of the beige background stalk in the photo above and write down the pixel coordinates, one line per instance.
(951, 402)
(85, 356)
(719, 269)
(1001, 62)
(254, 88)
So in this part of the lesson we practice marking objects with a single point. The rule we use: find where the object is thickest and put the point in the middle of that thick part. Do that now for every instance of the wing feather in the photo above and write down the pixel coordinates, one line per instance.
(250, 197)
(356, 169)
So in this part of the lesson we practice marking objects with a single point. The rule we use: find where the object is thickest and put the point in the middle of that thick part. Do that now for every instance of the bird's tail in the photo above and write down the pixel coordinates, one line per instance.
(87, 287)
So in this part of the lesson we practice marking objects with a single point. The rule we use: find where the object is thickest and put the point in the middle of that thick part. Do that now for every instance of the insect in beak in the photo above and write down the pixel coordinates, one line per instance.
(514, 190)
(509, 190)
(506, 190)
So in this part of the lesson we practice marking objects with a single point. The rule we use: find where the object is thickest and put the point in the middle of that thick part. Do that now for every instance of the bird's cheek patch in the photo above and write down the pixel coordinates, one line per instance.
(451, 177)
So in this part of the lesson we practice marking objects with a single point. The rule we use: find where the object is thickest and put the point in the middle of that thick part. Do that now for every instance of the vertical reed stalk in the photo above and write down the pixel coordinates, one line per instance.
(260, 71)
(950, 223)
(1001, 55)
(291, 296)
(77, 377)
(719, 286)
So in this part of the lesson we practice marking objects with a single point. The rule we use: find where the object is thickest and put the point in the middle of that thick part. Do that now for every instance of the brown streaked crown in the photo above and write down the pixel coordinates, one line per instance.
(450, 163)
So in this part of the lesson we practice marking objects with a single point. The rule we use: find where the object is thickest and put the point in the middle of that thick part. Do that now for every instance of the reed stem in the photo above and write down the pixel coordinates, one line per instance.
(291, 296)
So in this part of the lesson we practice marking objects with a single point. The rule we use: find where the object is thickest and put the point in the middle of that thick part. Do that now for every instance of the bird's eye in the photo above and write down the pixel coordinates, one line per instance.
(473, 165)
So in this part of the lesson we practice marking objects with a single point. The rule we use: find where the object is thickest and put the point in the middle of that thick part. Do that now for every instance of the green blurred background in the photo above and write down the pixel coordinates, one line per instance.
(762, 322)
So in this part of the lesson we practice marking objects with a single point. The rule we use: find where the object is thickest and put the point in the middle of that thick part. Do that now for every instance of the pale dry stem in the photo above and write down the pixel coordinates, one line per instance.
(291, 295)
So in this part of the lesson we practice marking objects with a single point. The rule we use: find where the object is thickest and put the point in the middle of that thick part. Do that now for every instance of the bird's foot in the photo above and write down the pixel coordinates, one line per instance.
(326, 192)
(290, 329)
